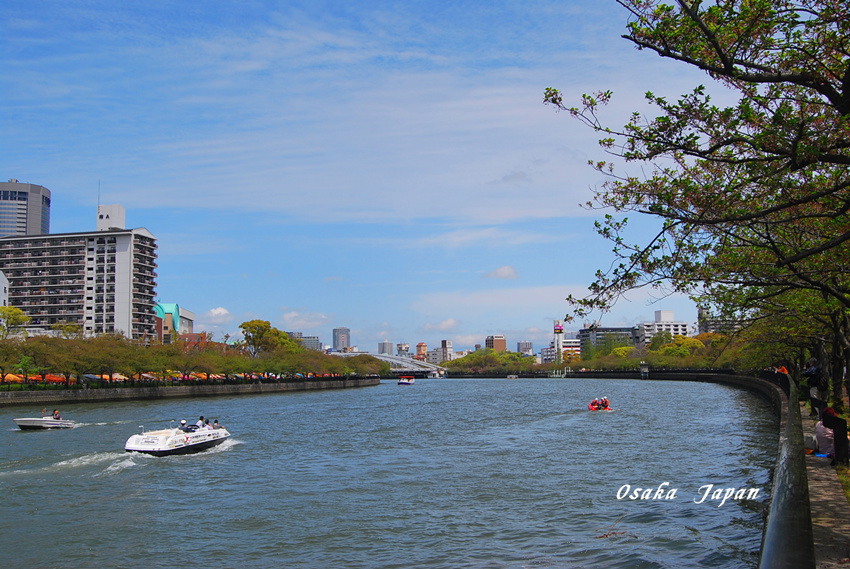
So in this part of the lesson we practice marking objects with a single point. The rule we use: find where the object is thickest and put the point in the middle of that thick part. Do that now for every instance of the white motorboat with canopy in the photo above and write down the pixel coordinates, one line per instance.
(182, 440)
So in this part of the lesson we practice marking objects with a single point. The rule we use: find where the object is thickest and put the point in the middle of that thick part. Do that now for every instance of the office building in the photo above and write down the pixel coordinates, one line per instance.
(597, 336)
(525, 348)
(312, 343)
(434, 356)
(341, 339)
(172, 322)
(385, 347)
(497, 343)
(446, 351)
(442, 353)
(104, 281)
(421, 352)
(308, 342)
(24, 209)
(561, 350)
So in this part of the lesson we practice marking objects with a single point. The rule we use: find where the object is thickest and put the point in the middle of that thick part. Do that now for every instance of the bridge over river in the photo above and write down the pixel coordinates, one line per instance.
(402, 366)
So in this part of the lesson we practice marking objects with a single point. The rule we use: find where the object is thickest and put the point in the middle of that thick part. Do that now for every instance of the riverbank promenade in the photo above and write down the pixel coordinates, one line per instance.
(829, 505)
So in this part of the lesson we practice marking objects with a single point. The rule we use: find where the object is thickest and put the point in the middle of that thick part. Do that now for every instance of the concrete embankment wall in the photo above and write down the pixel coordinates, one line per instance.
(66, 396)
(787, 540)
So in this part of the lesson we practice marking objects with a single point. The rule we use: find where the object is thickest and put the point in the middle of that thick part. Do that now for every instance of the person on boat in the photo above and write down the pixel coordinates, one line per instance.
(184, 427)
(200, 423)
(594, 405)
(215, 425)
(207, 425)
(56, 414)
(604, 403)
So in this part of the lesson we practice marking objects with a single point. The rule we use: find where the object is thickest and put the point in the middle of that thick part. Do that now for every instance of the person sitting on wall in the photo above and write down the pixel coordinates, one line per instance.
(824, 435)
(839, 435)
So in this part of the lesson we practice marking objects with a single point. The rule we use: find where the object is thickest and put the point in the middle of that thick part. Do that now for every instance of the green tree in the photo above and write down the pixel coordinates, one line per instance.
(11, 318)
(260, 336)
(623, 351)
(752, 197)
(659, 340)
(10, 355)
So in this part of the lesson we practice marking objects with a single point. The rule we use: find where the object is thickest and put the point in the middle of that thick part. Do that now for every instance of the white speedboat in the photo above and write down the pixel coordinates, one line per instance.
(406, 380)
(34, 423)
(175, 441)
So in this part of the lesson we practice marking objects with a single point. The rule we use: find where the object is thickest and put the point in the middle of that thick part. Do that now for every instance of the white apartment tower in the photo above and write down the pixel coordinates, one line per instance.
(664, 322)
(104, 281)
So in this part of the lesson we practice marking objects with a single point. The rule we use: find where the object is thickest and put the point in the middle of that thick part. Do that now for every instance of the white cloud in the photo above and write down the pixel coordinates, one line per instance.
(506, 272)
(444, 326)
(297, 321)
(492, 236)
(219, 316)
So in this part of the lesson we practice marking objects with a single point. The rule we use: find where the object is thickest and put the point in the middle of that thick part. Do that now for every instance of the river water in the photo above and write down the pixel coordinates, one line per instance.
(445, 473)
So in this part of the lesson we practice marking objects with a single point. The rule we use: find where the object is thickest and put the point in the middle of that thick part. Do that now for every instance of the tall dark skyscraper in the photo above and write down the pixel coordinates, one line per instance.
(342, 339)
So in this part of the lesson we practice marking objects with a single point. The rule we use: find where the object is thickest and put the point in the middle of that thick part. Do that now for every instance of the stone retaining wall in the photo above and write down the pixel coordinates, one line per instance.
(66, 396)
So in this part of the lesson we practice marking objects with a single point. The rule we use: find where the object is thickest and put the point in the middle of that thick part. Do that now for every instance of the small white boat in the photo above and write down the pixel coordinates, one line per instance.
(175, 441)
(406, 380)
(47, 422)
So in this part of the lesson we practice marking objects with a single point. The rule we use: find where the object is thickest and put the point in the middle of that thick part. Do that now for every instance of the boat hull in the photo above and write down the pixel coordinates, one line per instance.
(175, 441)
(39, 423)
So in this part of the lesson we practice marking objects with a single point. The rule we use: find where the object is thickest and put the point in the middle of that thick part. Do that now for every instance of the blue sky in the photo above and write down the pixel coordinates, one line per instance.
(384, 166)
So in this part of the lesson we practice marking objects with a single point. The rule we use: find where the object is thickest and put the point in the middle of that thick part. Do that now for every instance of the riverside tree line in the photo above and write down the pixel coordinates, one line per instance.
(265, 351)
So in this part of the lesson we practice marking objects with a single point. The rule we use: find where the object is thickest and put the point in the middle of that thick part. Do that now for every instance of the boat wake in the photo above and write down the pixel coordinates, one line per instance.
(85, 461)
(118, 466)
(103, 423)
(223, 447)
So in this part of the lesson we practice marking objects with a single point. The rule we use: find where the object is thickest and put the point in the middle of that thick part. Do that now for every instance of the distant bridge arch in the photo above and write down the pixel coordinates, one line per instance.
(400, 365)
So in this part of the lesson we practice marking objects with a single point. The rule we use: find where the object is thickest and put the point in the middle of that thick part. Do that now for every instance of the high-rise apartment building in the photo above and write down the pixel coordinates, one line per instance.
(342, 339)
(104, 281)
(385, 347)
(525, 348)
(664, 322)
(24, 209)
